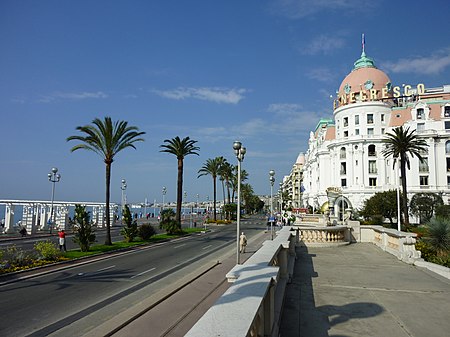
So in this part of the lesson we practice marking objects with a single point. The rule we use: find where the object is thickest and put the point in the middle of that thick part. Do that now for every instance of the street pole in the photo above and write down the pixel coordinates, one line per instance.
(240, 151)
(272, 181)
(53, 177)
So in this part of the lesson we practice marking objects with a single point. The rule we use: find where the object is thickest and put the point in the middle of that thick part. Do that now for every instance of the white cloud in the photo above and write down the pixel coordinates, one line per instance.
(284, 108)
(323, 44)
(217, 95)
(72, 96)
(430, 65)
(297, 9)
(321, 74)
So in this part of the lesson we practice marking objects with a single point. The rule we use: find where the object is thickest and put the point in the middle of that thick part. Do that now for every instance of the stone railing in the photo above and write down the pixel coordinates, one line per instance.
(252, 304)
(323, 236)
(400, 244)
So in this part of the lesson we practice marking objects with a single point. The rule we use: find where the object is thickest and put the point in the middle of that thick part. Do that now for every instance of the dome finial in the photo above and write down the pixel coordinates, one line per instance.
(363, 41)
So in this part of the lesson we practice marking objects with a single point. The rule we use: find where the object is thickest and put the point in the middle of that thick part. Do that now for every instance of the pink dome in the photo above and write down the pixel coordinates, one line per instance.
(358, 78)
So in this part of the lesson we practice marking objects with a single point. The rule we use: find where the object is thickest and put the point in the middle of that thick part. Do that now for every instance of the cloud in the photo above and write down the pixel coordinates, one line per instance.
(321, 74)
(72, 96)
(297, 9)
(284, 108)
(323, 44)
(431, 65)
(217, 95)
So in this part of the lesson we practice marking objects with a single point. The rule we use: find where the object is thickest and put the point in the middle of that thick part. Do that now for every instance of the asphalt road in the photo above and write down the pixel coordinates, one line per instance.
(42, 305)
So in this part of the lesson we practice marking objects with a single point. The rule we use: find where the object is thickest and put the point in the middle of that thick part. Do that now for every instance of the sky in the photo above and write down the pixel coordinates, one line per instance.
(259, 71)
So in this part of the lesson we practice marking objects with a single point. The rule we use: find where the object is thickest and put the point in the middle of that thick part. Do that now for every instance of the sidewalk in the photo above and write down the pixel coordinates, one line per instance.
(359, 290)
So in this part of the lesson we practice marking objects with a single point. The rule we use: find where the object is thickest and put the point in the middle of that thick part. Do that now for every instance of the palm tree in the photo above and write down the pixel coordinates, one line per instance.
(107, 138)
(212, 167)
(439, 235)
(234, 180)
(400, 144)
(226, 173)
(180, 148)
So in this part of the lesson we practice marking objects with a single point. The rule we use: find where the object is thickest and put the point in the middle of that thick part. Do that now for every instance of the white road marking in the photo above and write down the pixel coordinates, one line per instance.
(144, 272)
(179, 246)
(106, 268)
(207, 247)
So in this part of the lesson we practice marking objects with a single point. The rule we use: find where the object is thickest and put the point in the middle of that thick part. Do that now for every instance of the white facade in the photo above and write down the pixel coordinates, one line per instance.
(346, 152)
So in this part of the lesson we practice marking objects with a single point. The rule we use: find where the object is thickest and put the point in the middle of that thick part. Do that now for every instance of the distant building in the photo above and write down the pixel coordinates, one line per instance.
(344, 153)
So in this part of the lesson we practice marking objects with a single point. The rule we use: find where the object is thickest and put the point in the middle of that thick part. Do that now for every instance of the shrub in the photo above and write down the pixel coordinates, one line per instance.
(438, 236)
(84, 231)
(130, 231)
(146, 231)
(47, 250)
(16, 257)
(168, 223)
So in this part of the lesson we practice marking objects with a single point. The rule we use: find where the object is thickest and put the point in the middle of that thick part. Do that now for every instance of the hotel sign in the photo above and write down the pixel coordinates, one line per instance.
(371, 94)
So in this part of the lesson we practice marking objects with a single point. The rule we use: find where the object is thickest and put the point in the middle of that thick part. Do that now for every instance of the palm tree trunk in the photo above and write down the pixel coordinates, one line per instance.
(405, 195)
(108, 241)
(179, 191)
(214, 197)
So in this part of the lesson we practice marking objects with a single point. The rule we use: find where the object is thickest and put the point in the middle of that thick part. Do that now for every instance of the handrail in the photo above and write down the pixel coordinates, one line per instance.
(252, 304)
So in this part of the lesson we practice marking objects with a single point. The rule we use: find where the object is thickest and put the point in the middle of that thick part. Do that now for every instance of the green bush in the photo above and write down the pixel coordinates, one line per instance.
(84, 231)
(146, 231)
(130, 231)
(47, 250)
(168, 223)
(16, 257)
(429, 254)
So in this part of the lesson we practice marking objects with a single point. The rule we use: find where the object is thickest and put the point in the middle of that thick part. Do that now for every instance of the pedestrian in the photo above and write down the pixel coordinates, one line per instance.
(62, 240)
(242, 242)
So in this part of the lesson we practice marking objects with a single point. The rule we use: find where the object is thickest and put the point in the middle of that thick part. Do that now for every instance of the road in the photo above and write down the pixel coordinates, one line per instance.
(44, 304)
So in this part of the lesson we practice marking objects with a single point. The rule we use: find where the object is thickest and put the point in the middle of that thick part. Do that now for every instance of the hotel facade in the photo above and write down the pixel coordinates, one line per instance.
(345, 153)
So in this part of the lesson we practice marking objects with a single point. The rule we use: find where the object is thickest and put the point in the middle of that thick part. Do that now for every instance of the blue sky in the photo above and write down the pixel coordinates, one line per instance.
(261, 72)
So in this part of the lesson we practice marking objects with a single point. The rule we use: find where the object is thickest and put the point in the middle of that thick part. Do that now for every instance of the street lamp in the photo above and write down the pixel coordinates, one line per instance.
(281, 199)
(164, 191)
(53, 177)
(272, 181)
(239, 151)
(123, 187)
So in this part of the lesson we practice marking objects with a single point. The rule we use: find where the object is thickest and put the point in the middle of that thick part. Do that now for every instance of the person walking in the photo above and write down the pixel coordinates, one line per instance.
(242, 242)
(62, 240)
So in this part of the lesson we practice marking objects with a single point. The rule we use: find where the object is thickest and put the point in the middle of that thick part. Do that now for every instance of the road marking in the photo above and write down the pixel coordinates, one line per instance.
(144, 272)
(106, 268)
(179, 246)
(207, 247)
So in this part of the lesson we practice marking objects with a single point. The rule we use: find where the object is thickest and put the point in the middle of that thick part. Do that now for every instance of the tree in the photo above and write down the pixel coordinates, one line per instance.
(424, 205)
(107, 138)
(381, 204)
(400, 144)
(180, 148)
(212, 168)
(439, 235)
(130, 230)
(226, 174)
(84, 232)
(168, 223)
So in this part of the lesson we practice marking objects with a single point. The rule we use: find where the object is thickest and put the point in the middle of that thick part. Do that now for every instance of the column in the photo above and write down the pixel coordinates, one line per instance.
(9, 218)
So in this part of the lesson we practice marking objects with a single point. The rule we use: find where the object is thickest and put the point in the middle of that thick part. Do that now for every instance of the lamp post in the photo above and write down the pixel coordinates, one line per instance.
(272, 181)
(53, 177)
(399, 216)
(123, 187)
(239, 151)
(281, 199)
(164, 191)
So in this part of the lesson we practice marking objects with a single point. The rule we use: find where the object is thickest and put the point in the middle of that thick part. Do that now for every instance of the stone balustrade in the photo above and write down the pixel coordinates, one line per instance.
(400, 244)
(252, 304)
(323, 236)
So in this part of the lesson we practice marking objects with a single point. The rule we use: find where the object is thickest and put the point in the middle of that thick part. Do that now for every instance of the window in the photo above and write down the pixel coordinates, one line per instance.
(420, 114)
(357, 132)
(448, 164)
(343, 182)
(342, 153)
(382, 131)
(369, 118)
(345, 121)
(370, 131)
(382, 117)
(447, 147)
(447, 111)
(343, 168)
(447, 125)
(372, 151)
(357, 120)
(423, 180)
(448, 181)
(372, 166)
(420, 127)
(372, 182)
(423, 165)
(345, 134)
